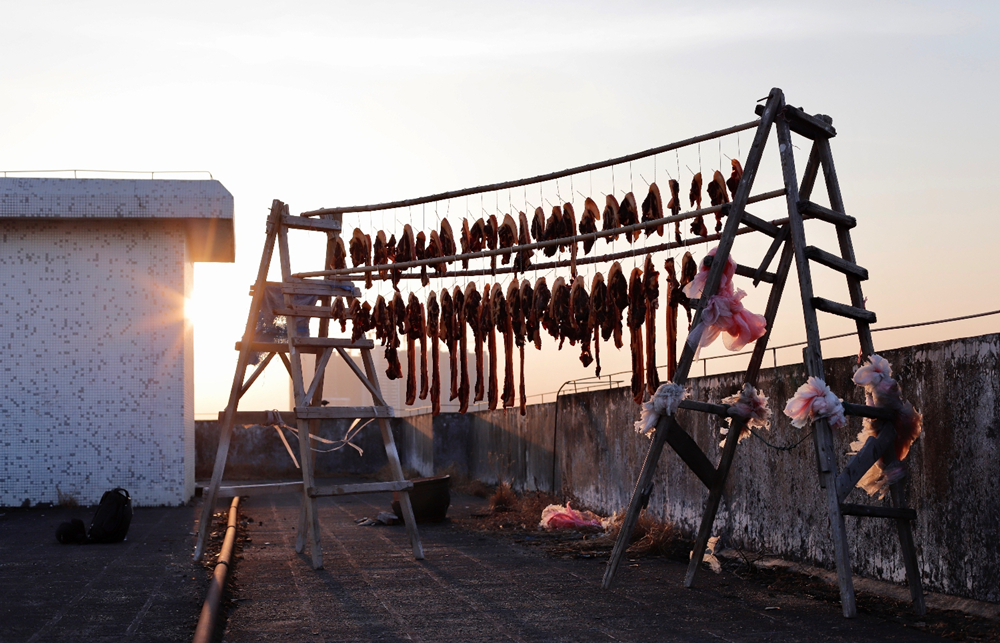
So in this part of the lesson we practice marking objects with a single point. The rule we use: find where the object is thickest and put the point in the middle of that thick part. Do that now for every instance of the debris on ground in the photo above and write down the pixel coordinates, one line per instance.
(565, 517)
(383, 518)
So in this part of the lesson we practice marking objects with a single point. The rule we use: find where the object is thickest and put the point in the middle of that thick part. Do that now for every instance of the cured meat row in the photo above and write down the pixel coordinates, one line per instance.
(499, 320)
(563, 222)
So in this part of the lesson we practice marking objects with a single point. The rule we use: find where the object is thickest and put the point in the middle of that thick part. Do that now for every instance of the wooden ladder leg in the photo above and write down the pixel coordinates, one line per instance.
(238, 388)
(897, 494)
(393, 456)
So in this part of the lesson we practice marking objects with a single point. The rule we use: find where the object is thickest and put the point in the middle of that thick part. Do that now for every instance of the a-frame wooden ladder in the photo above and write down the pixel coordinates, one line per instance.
(308, 409)
(790, 238)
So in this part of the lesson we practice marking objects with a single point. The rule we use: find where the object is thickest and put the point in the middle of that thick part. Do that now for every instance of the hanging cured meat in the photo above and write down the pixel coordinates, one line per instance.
(361, 252)
(380, 253)
(449, 334)
(611, 217)
(579, 315)
(433, 315)
(556, 319)
(390, 248)
(617, 302)
(553, 231)
(538, 225)
(717, 193)
(598, 315)
(628, 214)
(689, 268)
(588, 223)
(539, 309)
(405, 251)
(507, 235)
(473, 311)
(673, 288)
(361, 316)
(435, 250)
(652, 208)
(339, 259)
(339, 313)
(414, 331)
(569, 232)
(420, 250)
(477, 235)
(651, 293)
(515, 295)
(487, 330)
(490, 235)
(675, 206)
(448, 247)
(523, 260)
(384, 318)
(636, 318)
(424, 383)
(698, 224)
(504, 324)
(466, 242)
(458, 299)
(734, 179)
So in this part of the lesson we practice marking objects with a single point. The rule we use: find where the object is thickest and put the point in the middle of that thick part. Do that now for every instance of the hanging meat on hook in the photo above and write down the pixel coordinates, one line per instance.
(413, 333)
(698, 224)
(569, 232)
(463, 349)
(433, 331)
(338, 312)
(617, 302)
(384, 318)
(390, 248)
(338, 260)
(717, 193)
(466, 242)
(734, 179)
(380, 255)
(579, 316)
(420, 251)
(424, 384)
(503, 323)
(553, 231)
(361, 317)
(628, 214)
(652, 208)
(598, 315)
(651, 293)
(539, 309)
(523, 260)
(673, 289)
(448, 247)
(556, 318)
(473, 310)
(435, 250)
(405, 251)
(636, 318)
(675, 206)
(491, 234)
(487, 330)
(449, 334)
(507, 236)
(611, 222)
(515, 309)
(689, 268)
(588, 223)
(361, 252)
(538, 225)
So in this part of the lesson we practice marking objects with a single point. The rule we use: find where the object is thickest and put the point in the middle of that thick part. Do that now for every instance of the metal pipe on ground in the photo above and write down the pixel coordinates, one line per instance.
(210, 610)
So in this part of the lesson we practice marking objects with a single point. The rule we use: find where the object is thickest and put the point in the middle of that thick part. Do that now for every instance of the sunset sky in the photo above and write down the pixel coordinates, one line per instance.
(325, 104)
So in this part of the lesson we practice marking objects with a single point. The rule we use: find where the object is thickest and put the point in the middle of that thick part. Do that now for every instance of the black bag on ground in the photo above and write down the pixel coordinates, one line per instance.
(114, 514)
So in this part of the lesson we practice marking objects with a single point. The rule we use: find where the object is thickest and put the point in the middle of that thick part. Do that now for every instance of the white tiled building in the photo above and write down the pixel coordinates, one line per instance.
(97, 379)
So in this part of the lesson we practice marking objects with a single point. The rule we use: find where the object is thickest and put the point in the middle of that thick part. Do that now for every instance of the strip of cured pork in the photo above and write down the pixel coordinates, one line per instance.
(458, 298)
(579, 317)
(487, 328)
(698, 224)
(473, 311)
(450, 336)
(675, 206)
(652, 208)
(433, 330)
(617, 302)
(651, 293)
(598, 315)
(413, 333)
(636, 318)
(588, 223)
(502, 321)
(673, 288)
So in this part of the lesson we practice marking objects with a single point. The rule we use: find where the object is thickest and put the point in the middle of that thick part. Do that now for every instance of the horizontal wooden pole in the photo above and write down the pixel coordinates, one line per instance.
(229, 491)
(343, 288)
(364, 487)
(804, 124)
(865, 411)
(705, 407)
(304, 347)
(810, 209)
(305, 223)
(342, 412)
(899, 513)
(843, 310)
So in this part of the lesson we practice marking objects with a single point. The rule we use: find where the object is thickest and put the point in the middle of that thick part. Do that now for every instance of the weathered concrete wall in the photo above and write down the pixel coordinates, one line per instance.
(772, 501)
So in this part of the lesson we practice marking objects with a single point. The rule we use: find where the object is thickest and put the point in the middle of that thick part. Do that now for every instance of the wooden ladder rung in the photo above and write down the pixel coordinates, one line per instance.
(804, 124)
(232, 490)
(705, 407)
(747, 271)
(756, 223)
(304, 223)
(865, 411)
(808, 208)
(832, 307)
(341, 412)
(899, 513)
(364, 487)
(322, 312)
(833, 261)
(318, 288)
(307, 346)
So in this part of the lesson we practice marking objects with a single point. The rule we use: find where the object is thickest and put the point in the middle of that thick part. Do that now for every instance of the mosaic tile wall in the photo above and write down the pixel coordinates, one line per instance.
(97, 381)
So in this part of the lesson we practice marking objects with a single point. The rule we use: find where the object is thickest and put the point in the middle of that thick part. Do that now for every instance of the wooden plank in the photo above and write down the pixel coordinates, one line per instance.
(869, 511)
(318, 373)
(320, 288)
(364, 487)
(704, 407)
(839, 219)
(342, 412)
(690, 453)
(833, 261)
(307, 347)
(867, 456)
(322, 312)
(232, 490)
(304, 223)
(865, 411)
(843, 310)
(805, 124)
(757, 223)
(253, 376)
(905, 531)
(331, 342)
(751, 273)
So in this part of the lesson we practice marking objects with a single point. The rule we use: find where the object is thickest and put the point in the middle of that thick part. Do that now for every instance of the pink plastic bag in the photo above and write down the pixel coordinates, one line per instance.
(559, 517)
